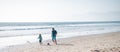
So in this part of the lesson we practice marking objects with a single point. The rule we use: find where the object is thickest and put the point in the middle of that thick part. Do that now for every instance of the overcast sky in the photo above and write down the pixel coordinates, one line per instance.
(59, 10)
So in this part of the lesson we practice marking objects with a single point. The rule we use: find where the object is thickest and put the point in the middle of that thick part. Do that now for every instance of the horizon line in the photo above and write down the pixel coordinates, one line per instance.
(65, 21)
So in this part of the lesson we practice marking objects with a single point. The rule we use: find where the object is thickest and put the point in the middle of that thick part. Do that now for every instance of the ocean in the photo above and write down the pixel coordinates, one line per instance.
(16, 33)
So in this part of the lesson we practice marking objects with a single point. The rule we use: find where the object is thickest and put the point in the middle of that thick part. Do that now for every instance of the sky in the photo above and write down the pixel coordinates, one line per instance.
(59, 10)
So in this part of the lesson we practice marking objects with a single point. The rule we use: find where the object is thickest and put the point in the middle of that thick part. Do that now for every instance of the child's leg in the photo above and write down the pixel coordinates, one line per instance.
(40, 41)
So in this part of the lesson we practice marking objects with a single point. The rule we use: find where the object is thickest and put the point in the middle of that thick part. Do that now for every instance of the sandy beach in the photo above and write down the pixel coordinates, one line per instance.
(107, 42)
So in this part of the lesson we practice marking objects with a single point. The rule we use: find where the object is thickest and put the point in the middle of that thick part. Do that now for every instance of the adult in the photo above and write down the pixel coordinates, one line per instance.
(54, 33)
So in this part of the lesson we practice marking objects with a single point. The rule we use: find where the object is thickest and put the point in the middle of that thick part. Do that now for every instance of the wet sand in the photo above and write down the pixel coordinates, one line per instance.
(107, 42)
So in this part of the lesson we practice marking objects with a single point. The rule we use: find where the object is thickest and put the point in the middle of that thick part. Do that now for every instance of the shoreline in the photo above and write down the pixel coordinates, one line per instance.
(101, 42)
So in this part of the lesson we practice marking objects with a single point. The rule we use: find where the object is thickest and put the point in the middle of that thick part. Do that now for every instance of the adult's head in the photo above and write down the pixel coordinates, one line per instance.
(53, 29)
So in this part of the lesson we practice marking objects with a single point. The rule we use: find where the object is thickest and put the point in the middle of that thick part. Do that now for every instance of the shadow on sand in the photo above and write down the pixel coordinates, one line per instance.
(59, 45)
(66, 44)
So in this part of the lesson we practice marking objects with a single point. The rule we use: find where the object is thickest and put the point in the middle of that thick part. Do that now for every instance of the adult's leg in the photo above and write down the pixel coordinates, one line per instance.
(56, 42)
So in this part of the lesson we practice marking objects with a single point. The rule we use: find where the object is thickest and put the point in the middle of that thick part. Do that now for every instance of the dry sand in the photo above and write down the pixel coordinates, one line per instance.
(108, 42)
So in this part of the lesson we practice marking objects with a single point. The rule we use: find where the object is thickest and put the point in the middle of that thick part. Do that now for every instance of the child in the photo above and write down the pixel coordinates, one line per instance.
(40, 39)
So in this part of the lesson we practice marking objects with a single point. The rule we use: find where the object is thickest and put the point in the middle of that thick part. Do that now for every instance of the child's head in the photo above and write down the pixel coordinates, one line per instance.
(39, 34)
